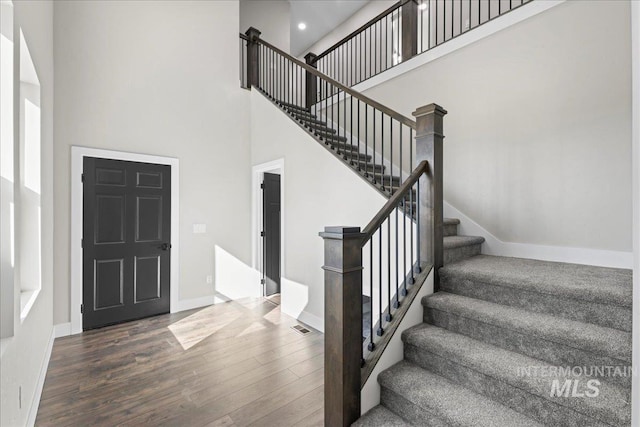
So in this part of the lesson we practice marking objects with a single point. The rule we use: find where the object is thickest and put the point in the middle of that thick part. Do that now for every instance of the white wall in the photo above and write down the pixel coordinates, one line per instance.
(538, 135)
(635, 20)
(24, 354)
(320, 191)
(159, 78)
(271, 17)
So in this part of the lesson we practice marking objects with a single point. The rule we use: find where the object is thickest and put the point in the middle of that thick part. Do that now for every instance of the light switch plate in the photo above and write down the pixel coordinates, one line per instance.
(199, 228)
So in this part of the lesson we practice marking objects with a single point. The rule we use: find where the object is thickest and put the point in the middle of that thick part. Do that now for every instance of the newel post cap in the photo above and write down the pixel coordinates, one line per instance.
(429, 109)
(253, 34)
(341, 233)
(310, 58)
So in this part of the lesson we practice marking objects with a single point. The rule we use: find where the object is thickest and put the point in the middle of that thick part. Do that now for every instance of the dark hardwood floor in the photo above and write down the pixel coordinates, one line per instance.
(233, 364)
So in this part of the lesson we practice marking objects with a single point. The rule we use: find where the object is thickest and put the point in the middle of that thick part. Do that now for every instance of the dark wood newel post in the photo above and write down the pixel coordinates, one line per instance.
(429, 146)
(409, 29)
(310, 81)
(342, 324)
(253, 63)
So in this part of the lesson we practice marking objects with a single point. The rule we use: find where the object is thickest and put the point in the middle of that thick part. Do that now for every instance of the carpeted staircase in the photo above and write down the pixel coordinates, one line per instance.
(495, 336)
(498, 336)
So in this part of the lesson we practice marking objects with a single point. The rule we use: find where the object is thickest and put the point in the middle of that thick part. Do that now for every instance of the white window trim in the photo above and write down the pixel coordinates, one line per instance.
(77, 155)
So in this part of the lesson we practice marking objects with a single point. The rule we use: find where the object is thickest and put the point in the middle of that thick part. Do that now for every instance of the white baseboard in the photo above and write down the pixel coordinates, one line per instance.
(190, 304)
(62, 329)
(312, 320)
(495, 246)
(35, 403)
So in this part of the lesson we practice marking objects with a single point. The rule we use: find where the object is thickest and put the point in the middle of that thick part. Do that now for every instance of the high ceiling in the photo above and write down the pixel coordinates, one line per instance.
(321, 16)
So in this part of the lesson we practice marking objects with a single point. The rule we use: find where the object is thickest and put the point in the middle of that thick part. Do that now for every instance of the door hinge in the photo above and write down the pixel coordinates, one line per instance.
(262, 281)
(82, 177)
(82, 243)
(81, 308)
(262, 234)
(262, 186)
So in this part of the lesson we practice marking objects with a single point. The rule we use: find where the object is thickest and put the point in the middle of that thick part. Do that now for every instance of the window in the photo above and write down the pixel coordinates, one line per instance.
(20, 173)
(29, 210)
(7, 177)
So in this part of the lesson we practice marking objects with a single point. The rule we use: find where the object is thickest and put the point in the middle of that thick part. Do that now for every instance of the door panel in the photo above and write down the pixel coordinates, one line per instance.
(271, 211)
(126, 244)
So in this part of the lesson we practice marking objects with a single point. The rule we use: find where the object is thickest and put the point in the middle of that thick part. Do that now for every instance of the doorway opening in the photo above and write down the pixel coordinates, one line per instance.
(271, 239)
(268, 229)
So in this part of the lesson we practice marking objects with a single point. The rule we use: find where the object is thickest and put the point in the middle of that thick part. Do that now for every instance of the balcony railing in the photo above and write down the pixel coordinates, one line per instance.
(406, 29)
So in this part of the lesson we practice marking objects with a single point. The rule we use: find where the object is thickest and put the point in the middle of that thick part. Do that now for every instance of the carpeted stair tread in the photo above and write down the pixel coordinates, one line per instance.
(301, 113)
(600, 341)
(581, 282)
(308, 120)
(329, 136)
(294, 106)
(453, 242)
(380, 416)
(451, 221)
(431, 396)
(493, 371)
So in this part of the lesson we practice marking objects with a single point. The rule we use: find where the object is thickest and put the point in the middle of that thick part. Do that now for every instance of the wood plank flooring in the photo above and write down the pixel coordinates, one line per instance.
(233, 364)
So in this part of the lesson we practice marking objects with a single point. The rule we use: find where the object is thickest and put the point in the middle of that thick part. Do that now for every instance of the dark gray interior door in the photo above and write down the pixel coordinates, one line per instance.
(126, 241)
(271, 218)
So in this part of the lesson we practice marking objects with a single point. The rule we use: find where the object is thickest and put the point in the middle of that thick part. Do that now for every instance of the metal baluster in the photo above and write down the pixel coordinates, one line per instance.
(404, 246)
(366, 140)
(371, 346)
(453, 16)
(380, 329)
(418, 234)
(436, 15)
(411, 202)
(365, 156)
(412, 280)
(389, 317)
(391, 159)
(382, 150)
(397, 264)
(374, 146)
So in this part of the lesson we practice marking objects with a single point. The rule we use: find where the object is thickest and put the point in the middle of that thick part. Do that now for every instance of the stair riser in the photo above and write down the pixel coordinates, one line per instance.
(610, 316)
(408, 410)
(557, 354)
(315, 127)
(350, 155)
(450, 230)
(456, 254)
(547, 410)
(309, 121)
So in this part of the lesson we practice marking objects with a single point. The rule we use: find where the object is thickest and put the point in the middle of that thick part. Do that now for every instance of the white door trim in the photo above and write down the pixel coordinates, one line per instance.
(77, 155)
(276, 166)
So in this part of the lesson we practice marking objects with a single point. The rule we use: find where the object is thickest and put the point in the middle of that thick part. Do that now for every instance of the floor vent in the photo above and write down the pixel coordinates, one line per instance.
(300, 329)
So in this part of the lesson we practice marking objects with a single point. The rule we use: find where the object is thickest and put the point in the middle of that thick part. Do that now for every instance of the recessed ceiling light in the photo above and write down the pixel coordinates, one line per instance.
(302, 26)
(422, 6)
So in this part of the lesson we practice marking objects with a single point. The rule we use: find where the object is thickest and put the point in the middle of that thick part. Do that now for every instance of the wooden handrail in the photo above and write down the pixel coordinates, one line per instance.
(384, 109)
(394, 201)
(361, 29)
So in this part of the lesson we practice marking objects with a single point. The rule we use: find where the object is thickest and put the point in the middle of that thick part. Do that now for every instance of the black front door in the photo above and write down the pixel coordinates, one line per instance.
(126, 241)
(271, 215)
